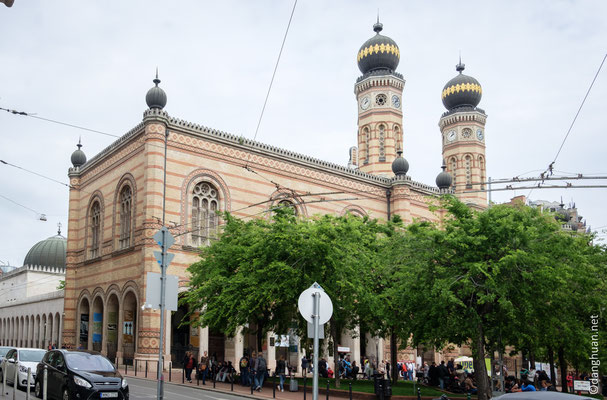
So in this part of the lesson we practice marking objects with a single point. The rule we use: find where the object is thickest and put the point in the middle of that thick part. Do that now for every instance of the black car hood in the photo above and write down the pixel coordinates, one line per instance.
(99, 374)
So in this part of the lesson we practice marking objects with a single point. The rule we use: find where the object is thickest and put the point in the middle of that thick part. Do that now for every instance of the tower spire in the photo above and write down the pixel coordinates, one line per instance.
(460, 67)
(156, 80)
(378, 26)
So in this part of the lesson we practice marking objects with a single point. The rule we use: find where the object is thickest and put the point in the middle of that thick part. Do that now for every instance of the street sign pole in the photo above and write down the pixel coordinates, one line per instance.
(164, 238)
(316, 317)
(317, 314)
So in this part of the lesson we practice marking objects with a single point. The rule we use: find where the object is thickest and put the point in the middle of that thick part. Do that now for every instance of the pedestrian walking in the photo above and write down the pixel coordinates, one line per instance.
(188, 364)
(204, 367)
(280, 371)
(261, 370)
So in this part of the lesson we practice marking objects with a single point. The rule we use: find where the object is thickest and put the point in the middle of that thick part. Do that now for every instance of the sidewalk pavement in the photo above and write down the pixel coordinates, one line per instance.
(177, 378)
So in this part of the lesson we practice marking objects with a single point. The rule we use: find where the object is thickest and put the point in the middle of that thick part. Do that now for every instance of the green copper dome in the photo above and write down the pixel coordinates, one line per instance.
(48, 253)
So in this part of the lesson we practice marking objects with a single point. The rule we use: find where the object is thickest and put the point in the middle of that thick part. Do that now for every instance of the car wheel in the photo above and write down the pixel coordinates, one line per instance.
(38, 389)
(66, 394)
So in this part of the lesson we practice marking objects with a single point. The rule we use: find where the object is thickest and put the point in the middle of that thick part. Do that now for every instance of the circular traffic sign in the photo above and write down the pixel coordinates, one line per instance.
(306, 305)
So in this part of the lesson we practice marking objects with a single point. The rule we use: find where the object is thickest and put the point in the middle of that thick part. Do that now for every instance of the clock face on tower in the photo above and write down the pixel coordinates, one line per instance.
(451, 136)
(395, 101)
(365, 102)
(479, 134)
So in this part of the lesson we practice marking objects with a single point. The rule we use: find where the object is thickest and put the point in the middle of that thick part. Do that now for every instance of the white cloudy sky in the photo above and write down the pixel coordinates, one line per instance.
(90, 63)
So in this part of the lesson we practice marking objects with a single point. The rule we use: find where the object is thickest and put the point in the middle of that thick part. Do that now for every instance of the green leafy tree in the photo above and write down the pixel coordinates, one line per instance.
(477, 280)
(255, 273)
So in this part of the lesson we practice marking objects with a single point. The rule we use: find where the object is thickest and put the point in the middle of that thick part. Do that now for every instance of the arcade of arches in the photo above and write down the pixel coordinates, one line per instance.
(35, 330)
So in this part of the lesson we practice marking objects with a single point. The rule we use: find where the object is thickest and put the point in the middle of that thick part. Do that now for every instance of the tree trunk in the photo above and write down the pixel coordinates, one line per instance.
(259, 335)
(551, 360)
(531, 360)
(480, 369)
(393, 356)
(563, 367)
(335, 332)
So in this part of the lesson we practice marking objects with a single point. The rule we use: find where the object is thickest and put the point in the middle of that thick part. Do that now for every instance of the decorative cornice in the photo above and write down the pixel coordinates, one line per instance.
(118, 143)
(372, 76)
(462, 114)
(245, 144)
(36, 268)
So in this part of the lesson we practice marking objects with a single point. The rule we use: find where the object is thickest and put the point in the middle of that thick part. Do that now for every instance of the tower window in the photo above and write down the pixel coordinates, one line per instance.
(205, 203)
(381, 99)
(382, 140)
(468, 166)
(453, 165)
(95, 229)
(126, 197)
(398, 138)
(467, 133)
(367, 150)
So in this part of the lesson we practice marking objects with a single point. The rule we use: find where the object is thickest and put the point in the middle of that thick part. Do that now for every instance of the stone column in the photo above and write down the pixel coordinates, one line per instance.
(238, 346)
(120, 322)
(104, 330)
(204, 339)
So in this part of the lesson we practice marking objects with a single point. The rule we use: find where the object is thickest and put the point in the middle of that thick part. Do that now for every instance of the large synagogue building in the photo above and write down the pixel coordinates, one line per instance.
(116, 204)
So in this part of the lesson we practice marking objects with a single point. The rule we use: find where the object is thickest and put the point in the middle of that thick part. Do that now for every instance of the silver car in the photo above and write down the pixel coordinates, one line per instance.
(21, 359)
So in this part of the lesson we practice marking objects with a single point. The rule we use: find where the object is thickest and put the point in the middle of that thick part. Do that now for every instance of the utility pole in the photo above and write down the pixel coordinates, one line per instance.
(163, 269)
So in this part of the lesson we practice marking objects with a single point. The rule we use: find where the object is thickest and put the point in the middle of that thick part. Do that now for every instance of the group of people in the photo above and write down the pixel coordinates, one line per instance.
(530, 381)
(208, 368)
(254, 370)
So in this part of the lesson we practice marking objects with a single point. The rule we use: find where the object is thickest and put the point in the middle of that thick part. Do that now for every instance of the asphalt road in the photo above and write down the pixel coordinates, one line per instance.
(141, 389)
(144, 389)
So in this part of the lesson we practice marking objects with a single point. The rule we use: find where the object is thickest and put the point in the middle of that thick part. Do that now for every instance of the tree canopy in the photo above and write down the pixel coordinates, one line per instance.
(505, 276)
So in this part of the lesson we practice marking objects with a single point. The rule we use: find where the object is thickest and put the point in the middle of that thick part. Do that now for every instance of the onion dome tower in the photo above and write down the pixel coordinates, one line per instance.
(379, 96)
(156, 98)
(463, 138)
(78, 157)
(400, 166)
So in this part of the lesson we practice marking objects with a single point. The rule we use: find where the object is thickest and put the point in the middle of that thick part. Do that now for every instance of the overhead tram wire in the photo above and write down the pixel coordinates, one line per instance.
(263, 109)
(550, 168)
(35, 173)
(21, 205)
(57, 122)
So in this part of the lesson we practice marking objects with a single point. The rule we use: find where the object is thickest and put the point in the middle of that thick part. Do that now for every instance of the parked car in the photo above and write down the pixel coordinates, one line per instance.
(80, 374)
(21, 359)
(3, 351)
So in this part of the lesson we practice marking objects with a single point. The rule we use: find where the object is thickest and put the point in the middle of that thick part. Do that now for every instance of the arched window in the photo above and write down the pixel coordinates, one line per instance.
(453, 167)
(287, 203)
(481, 166)
(95, 216)
(382, 140)
(205, 203)
(468, 167)
(398, 138)
(126, 203)
(367, 150)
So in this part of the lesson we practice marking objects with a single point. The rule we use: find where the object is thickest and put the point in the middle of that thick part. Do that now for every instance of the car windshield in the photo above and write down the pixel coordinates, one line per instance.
(3, 351)
(31, 355)
(88, 362)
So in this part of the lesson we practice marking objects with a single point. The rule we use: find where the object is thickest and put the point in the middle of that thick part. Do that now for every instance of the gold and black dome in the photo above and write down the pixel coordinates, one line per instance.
(461, 91)
(378, 53)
